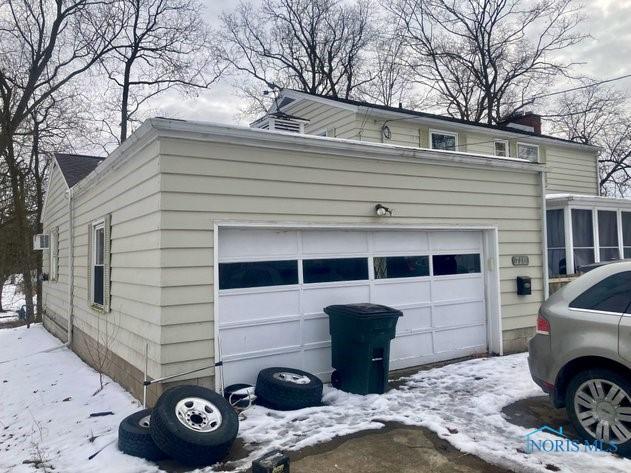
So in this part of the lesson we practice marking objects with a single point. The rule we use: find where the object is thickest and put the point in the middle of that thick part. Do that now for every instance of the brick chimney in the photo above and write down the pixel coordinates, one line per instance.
(527, 121)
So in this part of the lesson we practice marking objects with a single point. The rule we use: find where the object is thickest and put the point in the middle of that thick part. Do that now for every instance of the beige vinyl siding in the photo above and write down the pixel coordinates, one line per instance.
(55, 293)
(130, 194)
(322, 118)
(203, 183)
(571, 171)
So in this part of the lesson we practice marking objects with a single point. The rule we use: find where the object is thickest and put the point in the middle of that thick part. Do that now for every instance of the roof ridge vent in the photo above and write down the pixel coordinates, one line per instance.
(279, 121)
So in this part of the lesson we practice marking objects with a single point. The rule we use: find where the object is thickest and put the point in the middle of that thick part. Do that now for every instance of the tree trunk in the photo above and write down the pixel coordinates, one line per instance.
(1, 289)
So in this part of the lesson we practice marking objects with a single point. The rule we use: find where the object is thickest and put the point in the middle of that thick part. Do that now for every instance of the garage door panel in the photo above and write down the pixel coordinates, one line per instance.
(315, 329)
(405, 349)
(246, 370)
(259, 305)
(414, 319)
(236, 243)
(455, 288)
(402, 292)
(318, 361)
(256, 338)
(334, 242)
(385, 242)
(459, 314)
(315, 298)
(460, 339)
(450, 241)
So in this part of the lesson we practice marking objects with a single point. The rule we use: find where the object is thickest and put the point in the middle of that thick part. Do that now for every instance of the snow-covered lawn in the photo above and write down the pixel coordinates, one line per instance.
(461, 402)
(12, 300)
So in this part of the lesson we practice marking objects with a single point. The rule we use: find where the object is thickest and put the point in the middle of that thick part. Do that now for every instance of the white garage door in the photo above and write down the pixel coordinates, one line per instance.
(273, 285)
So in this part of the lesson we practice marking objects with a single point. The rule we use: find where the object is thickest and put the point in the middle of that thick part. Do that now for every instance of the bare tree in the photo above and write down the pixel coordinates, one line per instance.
(99, 350)
(164, 44)
(485, 60)
(43, 46)
(600, 116)
(316, 46)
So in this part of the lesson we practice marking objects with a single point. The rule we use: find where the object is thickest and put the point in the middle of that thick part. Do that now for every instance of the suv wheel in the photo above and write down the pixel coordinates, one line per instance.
(599, 405)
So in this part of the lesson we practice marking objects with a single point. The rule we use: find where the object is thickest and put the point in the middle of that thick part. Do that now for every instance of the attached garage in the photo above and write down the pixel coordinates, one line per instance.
(274, 283)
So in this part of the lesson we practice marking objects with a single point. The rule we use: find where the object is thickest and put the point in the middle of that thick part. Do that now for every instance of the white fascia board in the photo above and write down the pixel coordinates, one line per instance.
(204, 131)
(435, 122)
(46, 192)
(591, 200)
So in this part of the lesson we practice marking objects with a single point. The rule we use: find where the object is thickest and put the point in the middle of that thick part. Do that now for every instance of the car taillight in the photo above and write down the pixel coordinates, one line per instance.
(543, 326)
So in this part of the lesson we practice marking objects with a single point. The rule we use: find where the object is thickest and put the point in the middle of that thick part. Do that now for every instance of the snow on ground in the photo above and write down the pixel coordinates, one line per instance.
(461, 402)
(46, 402)
(12, 300)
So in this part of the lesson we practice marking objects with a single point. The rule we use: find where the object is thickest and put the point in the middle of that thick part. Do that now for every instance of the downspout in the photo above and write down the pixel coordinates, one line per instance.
(70, 265)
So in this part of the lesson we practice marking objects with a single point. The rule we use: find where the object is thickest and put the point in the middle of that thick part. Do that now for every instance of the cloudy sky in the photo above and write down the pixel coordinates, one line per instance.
(605, 55)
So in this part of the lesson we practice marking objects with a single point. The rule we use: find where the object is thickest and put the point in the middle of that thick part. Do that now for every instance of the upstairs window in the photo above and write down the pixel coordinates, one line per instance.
(501, 148)
(443, 140)
(529, 152)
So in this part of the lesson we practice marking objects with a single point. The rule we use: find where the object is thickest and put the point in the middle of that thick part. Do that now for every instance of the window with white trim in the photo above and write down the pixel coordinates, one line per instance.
(555, 225)
(529, 152)
(501, 148)
(626, 233)
(98, 263)
(54, 255)
(443, 140)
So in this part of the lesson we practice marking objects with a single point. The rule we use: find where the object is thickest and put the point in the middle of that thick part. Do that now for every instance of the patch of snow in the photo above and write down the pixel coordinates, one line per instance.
(47, 399)
(12, 300)
(461, 402)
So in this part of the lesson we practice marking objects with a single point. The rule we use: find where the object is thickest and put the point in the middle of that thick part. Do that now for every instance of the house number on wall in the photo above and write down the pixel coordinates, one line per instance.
(521, 260)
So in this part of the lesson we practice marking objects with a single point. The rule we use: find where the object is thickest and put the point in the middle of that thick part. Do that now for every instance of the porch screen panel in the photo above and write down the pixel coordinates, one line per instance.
(608, 235)
(583, 236)
(626, 233)
(555, 224)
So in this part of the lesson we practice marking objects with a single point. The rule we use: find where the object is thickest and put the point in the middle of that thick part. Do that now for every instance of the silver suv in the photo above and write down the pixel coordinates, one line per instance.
(581, 354)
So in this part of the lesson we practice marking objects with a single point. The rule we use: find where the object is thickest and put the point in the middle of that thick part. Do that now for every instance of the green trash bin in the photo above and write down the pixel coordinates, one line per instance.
(360, 346)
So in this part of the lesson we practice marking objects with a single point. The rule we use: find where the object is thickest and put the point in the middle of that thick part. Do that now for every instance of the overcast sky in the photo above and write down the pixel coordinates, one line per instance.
(607, 54)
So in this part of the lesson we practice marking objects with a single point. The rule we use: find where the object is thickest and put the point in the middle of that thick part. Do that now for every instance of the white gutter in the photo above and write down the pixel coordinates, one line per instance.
(70, 264)
(544, 231)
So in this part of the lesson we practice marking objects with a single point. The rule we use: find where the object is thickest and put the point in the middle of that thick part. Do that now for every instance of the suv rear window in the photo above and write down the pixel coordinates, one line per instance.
(612, 294)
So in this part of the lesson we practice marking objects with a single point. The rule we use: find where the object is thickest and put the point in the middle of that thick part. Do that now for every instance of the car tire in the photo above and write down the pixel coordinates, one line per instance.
(194, 425)
(288, 389)
(134, 437)
(578, 397)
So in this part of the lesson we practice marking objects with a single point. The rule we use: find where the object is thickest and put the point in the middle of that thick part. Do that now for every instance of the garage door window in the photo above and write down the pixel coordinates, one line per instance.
(387, 267)
(337, 269)
(258, 274)
(456, 264)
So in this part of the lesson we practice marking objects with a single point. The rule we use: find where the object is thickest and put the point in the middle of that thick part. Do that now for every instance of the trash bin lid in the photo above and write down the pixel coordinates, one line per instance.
(362, 310)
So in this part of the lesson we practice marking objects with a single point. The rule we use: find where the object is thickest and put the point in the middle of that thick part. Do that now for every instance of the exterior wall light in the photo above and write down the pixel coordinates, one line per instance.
(382, 210)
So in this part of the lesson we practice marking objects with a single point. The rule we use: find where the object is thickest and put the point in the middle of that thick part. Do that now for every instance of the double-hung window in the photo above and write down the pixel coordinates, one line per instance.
(98, 263)
(529, 152)
(443, 140)
(501, 148)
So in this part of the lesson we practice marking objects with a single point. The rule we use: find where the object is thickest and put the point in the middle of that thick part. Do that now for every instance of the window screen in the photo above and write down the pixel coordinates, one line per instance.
(444, 141)
(456, 264)
(583, 236)
(388, 267)
(338, 269)
(626, 233)
(501, 148)
(555, 224)
(612, 294)
(257, 274)
(608, 235)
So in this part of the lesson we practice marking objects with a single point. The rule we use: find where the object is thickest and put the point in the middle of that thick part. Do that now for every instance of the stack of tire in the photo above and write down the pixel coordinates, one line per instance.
(190, 424)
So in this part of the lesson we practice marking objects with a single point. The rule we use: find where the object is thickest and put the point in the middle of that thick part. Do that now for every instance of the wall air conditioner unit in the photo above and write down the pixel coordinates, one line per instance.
(41, 242)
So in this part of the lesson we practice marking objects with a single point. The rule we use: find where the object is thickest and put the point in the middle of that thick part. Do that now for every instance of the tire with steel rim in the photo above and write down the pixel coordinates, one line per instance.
(599, 405)
(288, 389)
(194, 425)
(134, 437)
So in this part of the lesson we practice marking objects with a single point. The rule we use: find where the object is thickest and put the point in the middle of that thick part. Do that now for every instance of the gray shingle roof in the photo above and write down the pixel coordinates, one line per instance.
(75, 167)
